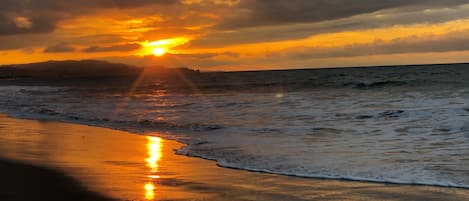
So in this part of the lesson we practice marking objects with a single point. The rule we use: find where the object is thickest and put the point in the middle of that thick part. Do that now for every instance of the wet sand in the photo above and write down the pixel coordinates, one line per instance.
(125, 166)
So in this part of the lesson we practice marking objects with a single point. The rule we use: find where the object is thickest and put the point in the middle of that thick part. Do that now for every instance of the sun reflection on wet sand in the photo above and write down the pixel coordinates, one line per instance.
(154, 151)
(149, 191)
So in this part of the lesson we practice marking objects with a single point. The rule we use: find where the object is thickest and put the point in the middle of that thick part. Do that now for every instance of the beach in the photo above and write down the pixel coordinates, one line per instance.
(110, 164)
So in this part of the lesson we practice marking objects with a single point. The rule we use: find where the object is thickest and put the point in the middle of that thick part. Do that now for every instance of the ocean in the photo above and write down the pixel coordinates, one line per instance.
(404, 124)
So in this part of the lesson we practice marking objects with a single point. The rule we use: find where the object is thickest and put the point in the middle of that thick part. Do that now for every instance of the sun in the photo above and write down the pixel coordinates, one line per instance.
(159, 51)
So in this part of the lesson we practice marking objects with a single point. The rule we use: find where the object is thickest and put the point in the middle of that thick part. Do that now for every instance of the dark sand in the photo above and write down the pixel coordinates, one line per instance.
(125, 166)
(26, 182)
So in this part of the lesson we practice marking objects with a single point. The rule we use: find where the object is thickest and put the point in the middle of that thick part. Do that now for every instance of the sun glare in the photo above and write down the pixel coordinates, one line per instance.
(159, 52)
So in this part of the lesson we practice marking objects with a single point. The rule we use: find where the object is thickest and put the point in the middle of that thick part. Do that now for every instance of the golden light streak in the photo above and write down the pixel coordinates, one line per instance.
(160, 47)
(154, 151)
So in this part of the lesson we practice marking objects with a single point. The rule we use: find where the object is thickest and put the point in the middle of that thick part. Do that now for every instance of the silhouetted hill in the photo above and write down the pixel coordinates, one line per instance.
(67, 69)
(84, 69)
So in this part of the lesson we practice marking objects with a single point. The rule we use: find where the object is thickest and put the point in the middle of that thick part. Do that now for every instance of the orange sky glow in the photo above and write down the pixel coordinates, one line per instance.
(238, 34)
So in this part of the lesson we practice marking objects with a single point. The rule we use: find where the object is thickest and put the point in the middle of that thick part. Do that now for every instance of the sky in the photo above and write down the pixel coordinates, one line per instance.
(236, 34)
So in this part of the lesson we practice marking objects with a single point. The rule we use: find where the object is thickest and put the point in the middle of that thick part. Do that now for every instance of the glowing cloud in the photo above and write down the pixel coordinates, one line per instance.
(23, 22)
(160, 47)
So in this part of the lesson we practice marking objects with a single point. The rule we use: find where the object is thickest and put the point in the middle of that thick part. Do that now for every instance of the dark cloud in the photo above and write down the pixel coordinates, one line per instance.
(73, 5)
(59, 48)
(275, 12)
(98, 39)
(14, 42)
(207, 55)
(134, 3)
(454, 41)
(113, 48)
(20, 25)
(43, 15)
(19, 41)
(304, 30)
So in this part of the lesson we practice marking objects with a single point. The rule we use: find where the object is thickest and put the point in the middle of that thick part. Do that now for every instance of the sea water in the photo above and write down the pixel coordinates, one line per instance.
(406, 124)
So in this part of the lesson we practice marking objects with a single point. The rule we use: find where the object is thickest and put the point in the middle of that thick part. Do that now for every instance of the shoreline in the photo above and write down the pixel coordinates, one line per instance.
(106, 154)
(166, 137)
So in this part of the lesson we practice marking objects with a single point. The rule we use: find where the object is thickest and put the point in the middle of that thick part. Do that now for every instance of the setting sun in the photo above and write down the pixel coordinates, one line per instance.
(159, 52)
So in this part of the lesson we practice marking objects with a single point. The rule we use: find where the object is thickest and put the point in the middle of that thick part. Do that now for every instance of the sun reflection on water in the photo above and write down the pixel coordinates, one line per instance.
(154, 147)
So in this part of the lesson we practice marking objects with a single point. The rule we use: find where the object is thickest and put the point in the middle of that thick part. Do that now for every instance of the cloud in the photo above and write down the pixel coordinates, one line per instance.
(304, 30)
(113, 48)
(252, 13)
(22, 25)
(23, 22)
(453, 41)
(134, 3)
(14, 42)
(42, 16)
(74, 5)
(98, 39)
(59, 48)
(206, 55)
